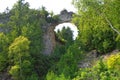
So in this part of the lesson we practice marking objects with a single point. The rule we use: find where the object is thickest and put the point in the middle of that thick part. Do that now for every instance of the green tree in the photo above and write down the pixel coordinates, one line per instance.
(65, 35)
(97, 25)
(52, 75)
(118, 42)
(66, 67)
(20, 59)
(19, 16)
(3, 51)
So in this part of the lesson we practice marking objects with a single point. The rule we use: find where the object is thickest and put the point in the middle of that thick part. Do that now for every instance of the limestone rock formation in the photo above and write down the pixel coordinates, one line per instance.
(49, 40)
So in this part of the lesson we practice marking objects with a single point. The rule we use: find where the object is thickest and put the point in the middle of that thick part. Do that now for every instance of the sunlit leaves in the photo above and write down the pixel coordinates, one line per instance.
(19, 47)
(19, 58)
(95, 30)
(114, 61)
(14, 71)
(3, 51)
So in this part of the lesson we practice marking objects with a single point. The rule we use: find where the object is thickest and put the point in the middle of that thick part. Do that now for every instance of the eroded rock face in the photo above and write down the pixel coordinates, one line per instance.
(49, 40)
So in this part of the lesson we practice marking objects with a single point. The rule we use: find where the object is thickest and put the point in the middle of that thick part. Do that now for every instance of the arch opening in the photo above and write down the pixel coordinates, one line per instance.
(73, 28)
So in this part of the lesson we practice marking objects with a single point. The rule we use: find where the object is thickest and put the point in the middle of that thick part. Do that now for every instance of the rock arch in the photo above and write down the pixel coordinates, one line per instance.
(49, 40)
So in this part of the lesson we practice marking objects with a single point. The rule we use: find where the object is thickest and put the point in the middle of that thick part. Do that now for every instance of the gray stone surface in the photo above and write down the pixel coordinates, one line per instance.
(65, 16)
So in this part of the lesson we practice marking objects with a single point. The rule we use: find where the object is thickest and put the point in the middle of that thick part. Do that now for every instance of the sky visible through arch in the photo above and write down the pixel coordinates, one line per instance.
(72, 27)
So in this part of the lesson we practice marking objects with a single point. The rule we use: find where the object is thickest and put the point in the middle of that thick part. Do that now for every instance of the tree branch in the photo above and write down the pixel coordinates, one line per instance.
(112, 25)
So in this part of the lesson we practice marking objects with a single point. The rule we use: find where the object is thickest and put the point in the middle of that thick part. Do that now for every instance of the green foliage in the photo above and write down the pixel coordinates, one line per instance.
(103, 70)
(3, 51)
(67, 65)
(52, 75)
(97, 25)
(3, 42)
(91, 73)
(21, 43)
(24, 39)
(14, 71)
(19, 48)
(33, 77)
(20, 59)
(28, 23)
(65, 35)
(19, 16)
(3, 62)
(118, 42)
(59, 51)
(113, 61)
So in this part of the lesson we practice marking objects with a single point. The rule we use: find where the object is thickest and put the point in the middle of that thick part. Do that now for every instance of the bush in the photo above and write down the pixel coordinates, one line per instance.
(14, 71)
(113, 62)
(118, 42)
